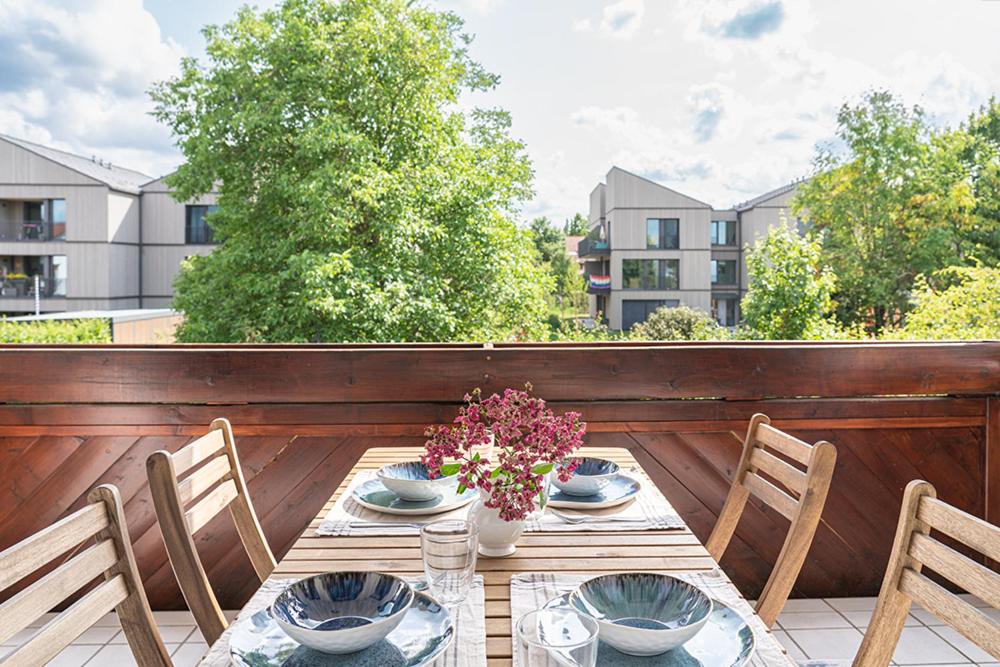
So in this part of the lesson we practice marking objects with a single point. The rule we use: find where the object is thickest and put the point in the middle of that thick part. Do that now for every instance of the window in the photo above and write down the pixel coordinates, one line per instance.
(635, 311)
(57, 219)
(723, 232)
(724, 310)
(196, 230)
(651, 274)
(723, 271)
(662, 233)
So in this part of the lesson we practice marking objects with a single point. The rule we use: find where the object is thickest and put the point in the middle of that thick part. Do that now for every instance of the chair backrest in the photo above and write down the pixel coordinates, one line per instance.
(88, 543)
(905, 583)
(796, 494)
(212, 480)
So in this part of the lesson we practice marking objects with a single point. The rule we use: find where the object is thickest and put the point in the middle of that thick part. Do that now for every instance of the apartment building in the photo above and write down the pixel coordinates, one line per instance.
(650, 246)
(79, 233)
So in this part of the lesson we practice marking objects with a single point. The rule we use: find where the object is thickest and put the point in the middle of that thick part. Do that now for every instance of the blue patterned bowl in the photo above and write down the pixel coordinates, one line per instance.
(589, 478)
(342, 612)
(412, 481)
(642, 613)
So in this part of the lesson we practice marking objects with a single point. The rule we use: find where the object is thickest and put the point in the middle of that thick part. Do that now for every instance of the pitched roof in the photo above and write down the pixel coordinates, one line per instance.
(760, 199)
(115, 177)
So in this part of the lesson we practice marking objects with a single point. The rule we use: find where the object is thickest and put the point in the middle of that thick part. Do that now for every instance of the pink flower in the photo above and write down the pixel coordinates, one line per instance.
(530, 441)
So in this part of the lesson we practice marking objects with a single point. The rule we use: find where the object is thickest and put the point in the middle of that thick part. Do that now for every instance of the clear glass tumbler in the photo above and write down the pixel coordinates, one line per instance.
(556, 638)
(449, 548)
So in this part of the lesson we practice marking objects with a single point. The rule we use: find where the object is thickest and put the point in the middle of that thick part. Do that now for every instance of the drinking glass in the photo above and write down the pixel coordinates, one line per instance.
(556, 638)
(449, 548)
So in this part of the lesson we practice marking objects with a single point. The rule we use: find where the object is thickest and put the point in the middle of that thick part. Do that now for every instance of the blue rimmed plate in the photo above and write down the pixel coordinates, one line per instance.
(727, 640)
(620, 489)
(425, 632)
(373, 495)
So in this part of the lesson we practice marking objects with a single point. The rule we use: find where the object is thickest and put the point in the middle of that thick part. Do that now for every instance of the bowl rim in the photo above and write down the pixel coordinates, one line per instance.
(575, 595)
(616, 471)
(398, 612)
(380, 474)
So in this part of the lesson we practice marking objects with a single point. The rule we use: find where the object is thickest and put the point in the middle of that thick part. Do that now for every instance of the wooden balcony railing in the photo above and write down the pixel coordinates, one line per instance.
(75, 417)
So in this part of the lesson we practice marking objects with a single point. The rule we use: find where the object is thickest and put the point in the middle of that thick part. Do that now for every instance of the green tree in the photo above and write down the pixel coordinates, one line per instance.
(679, 323)
(568, 290)
(900, 200)
(857, 200)
(357, 201)
(790, 291)
(578, 225)
(958, 302)
(982, 160)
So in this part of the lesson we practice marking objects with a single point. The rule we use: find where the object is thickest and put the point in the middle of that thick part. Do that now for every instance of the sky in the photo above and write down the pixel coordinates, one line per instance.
(720, 99)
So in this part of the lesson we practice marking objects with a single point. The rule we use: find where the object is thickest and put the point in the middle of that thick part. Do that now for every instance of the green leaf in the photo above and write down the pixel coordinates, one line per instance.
(461, 488)
(449, 469)
(476, 457)
(496, 473)
(542, 469)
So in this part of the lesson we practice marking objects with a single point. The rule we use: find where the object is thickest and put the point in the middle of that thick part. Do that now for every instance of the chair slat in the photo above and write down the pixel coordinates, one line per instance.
(30, 554)
(203, 479)
(967, 529)
(195, 452)
(19, 611)
(957, 568)
(780, 501)
(974, 625)
(209, 506)
(69, 625)
(787, 474)
(780, 441)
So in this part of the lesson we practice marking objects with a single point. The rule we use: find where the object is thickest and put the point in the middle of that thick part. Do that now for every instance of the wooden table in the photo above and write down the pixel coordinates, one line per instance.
(591, 552)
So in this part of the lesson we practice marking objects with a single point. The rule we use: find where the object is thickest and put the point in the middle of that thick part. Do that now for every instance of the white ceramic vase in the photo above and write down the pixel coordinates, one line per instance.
(497, 537)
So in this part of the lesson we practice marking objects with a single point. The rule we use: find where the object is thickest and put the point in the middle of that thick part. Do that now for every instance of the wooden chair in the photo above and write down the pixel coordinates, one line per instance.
(215, 483)
(905, 583)
(801, 502)
(95, 542)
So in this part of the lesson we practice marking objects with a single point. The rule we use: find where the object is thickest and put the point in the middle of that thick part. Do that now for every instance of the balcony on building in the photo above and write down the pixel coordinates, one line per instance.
(32, 219)
(599, 284)
(594, 246)
(28, 276)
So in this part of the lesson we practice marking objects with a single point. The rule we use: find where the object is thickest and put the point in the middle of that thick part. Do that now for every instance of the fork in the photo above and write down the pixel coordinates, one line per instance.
(588, 518)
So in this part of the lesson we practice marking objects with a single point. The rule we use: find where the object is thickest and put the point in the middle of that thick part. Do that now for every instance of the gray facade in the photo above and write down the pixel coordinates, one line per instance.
(77, 233)
(650, 246)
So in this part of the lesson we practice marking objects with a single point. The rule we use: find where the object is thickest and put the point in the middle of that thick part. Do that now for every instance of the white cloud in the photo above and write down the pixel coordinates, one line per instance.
(75, 74)
(619, 20)
(622, 19)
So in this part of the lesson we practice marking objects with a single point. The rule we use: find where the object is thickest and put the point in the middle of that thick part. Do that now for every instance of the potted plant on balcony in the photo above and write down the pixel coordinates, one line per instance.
(527, 438)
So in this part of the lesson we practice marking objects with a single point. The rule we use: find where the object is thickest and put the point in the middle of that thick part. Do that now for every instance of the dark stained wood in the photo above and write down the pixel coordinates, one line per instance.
(317, 375)
(72, 418)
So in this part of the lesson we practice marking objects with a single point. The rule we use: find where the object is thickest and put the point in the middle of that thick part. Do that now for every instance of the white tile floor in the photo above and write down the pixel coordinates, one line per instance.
(105, 645)
(829, 629)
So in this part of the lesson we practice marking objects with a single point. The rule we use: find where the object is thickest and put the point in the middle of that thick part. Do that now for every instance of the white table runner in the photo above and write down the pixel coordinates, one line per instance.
(531, 591)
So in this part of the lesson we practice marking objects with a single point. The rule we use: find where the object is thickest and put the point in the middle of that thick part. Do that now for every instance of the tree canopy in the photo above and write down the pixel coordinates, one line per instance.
(357, 200)
(895, 198)
(790, 291)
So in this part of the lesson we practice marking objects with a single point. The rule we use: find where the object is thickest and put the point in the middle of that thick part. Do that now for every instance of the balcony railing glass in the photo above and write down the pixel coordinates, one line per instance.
(592, 246)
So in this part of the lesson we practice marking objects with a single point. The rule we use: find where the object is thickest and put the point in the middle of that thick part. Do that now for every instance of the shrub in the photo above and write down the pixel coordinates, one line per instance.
(679, 323)
(56, 331)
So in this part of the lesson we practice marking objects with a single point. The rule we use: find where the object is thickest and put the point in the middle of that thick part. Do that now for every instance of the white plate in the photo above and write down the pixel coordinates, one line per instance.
(620, 489)
(373, 495)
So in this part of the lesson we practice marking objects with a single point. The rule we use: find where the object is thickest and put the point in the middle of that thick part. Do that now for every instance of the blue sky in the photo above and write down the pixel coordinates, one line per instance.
(721, 99)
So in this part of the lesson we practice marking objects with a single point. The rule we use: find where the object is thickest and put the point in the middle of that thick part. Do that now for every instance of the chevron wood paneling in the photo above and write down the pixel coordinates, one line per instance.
(104, 410)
